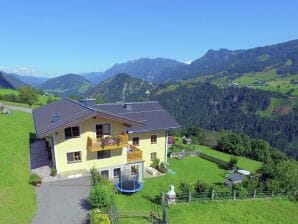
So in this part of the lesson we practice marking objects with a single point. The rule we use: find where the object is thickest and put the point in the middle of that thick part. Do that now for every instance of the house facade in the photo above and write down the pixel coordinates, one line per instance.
(114, 138)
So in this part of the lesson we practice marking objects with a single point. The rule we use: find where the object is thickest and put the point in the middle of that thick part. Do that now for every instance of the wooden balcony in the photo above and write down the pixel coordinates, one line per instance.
(134, 155)
(107, 143)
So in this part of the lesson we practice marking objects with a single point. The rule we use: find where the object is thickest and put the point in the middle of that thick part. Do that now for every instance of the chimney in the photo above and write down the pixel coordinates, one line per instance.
(89, 102)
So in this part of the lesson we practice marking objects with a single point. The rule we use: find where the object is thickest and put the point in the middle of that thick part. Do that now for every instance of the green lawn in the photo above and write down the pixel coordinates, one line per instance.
(243, 162)
(18, 202)
(189, 169)
(237, 212)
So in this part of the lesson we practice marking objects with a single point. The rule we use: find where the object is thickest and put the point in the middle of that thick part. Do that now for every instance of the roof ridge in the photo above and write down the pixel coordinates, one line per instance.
(77, 102)
(119, 103)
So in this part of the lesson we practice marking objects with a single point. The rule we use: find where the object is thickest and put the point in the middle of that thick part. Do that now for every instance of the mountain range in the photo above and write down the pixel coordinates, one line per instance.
(221, 66)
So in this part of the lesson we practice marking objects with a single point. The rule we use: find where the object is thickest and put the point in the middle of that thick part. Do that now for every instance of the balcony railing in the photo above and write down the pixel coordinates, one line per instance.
(107, 143)
(134, 154)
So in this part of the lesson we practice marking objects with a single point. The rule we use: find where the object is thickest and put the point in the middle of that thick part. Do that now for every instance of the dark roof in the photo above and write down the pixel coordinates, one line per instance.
(137, 116)
(66, 112)
(236, 177)
(151, 113)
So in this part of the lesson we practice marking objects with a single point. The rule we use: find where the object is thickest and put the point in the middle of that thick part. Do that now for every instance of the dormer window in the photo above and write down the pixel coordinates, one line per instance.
(72, 132)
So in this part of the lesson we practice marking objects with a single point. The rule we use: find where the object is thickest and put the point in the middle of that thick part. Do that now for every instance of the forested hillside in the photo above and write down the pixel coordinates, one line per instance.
(123, 87)
(66, 85)
(242, 110)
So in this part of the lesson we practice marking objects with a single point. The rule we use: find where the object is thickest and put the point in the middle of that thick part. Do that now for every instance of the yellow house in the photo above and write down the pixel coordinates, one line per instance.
(113, 138)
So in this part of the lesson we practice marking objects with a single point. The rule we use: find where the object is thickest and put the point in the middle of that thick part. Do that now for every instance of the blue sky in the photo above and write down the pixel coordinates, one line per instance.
(50, 38)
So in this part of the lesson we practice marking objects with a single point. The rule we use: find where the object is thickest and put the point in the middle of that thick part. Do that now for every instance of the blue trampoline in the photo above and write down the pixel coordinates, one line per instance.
(130, 180)
(129, 186)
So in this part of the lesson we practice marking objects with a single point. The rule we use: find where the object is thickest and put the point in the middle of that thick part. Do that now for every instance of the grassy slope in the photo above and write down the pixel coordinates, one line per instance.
(18, 202)
(272, 81)
(250, 212)
(243, 162)
(42, 100)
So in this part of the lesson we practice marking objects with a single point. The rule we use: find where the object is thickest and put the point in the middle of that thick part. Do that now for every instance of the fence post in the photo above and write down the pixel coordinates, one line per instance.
(255, 192)
(234, 195)
(189, 197)
(162, 199)
(212, 195)
(272, 195)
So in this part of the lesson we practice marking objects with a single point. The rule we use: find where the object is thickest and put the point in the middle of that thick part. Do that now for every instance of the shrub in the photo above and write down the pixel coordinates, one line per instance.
(53, 171)
(201, 187)
(98, 218)
(35, 179)
(241, 192)
(96, 178)
(155, 163)
(101, 196)
(232, 164)
(185, 188)
(221, 192)
(163, 168)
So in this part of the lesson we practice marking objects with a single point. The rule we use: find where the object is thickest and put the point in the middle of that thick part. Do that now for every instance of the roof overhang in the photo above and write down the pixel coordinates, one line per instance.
(125, 121)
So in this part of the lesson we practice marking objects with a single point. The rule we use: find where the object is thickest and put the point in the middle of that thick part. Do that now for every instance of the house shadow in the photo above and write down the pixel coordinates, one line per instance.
(39, 156)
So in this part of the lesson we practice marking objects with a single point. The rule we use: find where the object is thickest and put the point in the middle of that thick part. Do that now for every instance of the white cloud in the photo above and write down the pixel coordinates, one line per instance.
(20, 70)
(188, 62)
(25, 71)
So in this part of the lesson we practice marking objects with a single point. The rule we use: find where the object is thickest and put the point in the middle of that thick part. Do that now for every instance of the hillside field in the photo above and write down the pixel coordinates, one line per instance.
(42, 99)
(18, 201)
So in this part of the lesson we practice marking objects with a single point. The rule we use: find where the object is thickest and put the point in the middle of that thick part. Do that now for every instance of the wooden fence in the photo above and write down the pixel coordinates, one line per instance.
(218, 195)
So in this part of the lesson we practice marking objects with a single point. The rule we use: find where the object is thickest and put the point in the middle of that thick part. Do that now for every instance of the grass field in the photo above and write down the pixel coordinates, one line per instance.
(42, 99)
(271, 82)
(243, 162)
(189, 170)
(265, 211)
(18, 202)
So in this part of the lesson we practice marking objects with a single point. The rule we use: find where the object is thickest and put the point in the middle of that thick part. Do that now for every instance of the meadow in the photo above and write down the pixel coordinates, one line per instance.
(261, 211)
(243, 163)
(42, 99)
(18, 200)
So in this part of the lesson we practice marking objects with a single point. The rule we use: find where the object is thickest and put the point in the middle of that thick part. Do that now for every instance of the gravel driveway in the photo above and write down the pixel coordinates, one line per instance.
(62, 202)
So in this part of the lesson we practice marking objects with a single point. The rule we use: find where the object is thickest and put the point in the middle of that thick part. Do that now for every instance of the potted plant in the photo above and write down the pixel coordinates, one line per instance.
(53, 172)
(35, 179)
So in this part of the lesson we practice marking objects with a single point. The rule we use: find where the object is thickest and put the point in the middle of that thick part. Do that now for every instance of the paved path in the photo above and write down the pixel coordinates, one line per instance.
(63, 202)
(39, 161)
(24, 109)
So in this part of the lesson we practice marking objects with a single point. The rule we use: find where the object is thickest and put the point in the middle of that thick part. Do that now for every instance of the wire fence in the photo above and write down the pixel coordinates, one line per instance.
(223, 195)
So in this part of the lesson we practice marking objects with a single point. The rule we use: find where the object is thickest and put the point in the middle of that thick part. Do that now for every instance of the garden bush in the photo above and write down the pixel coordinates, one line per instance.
(101, 195)
(232, 164)
(35, 179)
(185, 188)
(201, 187)
(155, 163)
(98, 218)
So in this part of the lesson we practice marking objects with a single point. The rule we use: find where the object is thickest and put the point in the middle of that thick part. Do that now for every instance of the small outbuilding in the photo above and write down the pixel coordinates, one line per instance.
(234, 178)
